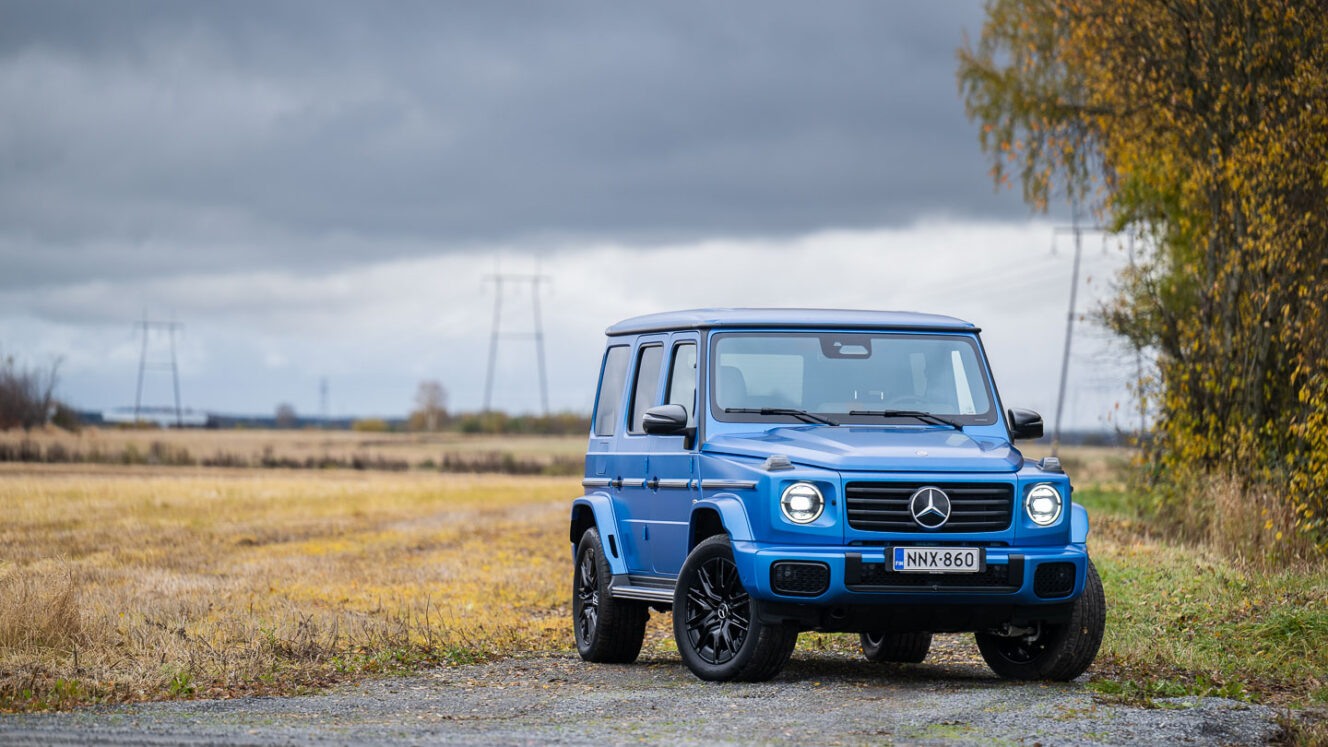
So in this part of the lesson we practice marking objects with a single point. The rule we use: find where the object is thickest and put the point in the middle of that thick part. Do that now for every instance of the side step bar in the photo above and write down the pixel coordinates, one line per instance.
(653, 590)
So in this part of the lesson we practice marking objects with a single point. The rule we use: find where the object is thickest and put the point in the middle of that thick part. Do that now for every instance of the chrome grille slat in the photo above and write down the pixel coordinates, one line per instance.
(883, 506)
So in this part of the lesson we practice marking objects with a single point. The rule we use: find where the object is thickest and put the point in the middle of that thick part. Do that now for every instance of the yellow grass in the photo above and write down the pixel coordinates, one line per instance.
(127, 583)
(123, 583)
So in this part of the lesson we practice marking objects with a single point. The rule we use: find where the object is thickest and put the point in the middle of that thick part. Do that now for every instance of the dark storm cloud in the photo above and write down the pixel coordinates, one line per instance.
(161, 138)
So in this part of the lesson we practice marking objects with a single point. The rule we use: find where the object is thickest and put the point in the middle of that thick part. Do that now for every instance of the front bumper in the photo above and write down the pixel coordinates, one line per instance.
(860, 576)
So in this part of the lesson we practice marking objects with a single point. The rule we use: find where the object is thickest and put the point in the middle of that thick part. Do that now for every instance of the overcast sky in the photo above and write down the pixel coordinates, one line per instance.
(317, 189)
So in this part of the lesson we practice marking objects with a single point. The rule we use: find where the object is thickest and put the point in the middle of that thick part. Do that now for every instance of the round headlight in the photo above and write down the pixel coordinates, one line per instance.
(802, 503)
(1043, 505)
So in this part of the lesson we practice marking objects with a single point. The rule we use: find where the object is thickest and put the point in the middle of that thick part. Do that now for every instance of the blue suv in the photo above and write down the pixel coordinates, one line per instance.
(762, 472)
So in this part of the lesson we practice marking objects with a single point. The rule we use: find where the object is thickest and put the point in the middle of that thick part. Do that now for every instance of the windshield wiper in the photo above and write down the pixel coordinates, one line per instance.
(803, 415)
(925, 417)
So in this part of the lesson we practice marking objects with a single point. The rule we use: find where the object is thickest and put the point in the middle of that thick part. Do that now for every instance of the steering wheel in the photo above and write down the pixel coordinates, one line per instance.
(908, 402)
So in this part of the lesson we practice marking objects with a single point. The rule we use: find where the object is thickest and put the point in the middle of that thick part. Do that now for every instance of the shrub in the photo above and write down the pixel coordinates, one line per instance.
(371, 425)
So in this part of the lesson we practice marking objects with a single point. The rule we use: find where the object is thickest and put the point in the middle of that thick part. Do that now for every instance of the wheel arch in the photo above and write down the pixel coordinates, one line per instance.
(719, 514)
(583, 518)
(596, 510)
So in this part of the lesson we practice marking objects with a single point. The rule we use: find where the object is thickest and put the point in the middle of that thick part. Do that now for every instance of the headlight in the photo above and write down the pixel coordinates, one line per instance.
(802, 503)
(1043, 505)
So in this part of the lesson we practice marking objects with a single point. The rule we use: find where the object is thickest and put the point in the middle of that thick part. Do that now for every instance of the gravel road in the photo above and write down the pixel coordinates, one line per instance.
(821, 698)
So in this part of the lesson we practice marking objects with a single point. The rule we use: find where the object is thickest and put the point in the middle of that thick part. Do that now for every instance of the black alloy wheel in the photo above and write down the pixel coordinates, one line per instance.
(607, 629)
(587, 595)
(719, 612)
(1027, 649)
(903, 648)
(718, 627)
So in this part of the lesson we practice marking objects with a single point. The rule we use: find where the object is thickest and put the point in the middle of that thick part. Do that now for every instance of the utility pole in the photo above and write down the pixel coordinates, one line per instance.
(493, 338)
(496, 333)
(146, 326)
(322, 400)
(1139, 367)
(1078, 232)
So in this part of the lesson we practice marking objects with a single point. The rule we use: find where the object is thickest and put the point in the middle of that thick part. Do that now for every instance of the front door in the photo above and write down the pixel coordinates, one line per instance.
(671, 470)
(633, 501)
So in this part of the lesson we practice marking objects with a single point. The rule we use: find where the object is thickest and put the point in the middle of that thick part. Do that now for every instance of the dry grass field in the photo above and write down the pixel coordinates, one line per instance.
(140, 582)
(133, 582)
(308, 447)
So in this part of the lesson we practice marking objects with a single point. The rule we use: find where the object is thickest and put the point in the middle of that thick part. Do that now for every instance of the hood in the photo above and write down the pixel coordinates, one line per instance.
(848, 449)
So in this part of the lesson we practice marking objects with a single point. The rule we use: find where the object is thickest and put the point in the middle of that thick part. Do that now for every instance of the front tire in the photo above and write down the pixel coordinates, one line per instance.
(907, 648)
(1057, 652)
(715, 622)
(608, 630)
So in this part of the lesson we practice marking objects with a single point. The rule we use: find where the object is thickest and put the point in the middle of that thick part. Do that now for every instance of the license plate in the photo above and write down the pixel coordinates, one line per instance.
(939, 559)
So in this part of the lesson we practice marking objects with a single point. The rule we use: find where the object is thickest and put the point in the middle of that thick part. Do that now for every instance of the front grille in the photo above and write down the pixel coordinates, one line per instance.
(881, 577)
(974, 507)
(799, 578)
(1053, 579)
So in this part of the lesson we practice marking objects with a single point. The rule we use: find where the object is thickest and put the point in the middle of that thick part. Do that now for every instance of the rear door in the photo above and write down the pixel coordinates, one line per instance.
(602, 454)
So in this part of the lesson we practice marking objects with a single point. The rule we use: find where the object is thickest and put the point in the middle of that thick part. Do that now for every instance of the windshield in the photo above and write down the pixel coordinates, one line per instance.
(834, 374)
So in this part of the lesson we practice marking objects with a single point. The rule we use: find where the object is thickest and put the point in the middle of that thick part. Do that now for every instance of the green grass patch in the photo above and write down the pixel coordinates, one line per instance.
(1146, 691)
(1110, 500)
(1187, 621)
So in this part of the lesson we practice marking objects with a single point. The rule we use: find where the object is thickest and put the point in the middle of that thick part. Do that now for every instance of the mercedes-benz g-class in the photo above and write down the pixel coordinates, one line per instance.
(762, 472)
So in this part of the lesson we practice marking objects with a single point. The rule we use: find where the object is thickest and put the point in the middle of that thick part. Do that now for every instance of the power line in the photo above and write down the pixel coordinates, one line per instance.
(496, 333)
(146, 326)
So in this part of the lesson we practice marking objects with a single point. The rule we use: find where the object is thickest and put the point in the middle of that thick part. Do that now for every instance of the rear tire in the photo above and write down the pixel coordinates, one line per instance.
(906, 648)
(608, 630)
(715, 622)
(1057, 652)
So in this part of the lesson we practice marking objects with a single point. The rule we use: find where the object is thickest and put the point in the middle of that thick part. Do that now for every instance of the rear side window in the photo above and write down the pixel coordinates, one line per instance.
(643, 390)
(610, 390)
(682, 379)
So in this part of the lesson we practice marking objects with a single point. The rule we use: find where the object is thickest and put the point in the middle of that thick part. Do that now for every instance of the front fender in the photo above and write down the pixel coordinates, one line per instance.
(601, 508)
(1078, 524)
(732, 514)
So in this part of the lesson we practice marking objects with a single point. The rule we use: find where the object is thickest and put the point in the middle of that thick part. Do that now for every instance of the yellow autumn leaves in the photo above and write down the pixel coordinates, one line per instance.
(1203, 128)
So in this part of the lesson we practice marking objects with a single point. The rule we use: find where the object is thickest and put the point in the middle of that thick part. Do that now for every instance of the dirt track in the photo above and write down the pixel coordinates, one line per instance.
(819, 699)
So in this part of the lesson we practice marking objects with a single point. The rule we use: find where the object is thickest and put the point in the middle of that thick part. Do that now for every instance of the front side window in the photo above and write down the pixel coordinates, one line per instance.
(835, 373)
(643, 387)
(611, 390)
(682, 380)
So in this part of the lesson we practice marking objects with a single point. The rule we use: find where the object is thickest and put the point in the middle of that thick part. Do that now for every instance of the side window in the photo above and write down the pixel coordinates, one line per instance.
(610, 390)
(682, 379)
(643, 389)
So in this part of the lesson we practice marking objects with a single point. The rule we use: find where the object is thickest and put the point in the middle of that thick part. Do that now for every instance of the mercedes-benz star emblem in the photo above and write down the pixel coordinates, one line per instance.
(930, 507)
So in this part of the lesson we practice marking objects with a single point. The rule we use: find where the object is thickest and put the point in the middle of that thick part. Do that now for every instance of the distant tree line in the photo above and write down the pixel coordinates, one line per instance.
(431, 414)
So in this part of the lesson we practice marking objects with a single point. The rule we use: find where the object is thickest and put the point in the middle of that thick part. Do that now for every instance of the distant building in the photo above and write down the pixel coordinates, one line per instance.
(160, 416)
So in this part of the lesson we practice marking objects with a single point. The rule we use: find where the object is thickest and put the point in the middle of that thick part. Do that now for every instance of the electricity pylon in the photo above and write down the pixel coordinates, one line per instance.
(496, 333)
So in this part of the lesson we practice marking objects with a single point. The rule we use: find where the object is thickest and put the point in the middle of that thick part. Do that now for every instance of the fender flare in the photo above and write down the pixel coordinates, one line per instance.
(601, 508)
(1078, 524)
(732, 514)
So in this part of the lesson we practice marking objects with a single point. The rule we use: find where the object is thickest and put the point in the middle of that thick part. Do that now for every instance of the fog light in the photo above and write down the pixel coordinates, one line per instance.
(1043, 505)
(802, 503)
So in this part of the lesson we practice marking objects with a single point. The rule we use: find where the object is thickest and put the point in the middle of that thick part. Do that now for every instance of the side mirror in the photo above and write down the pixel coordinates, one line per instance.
(1025, 424)
(665, 420)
